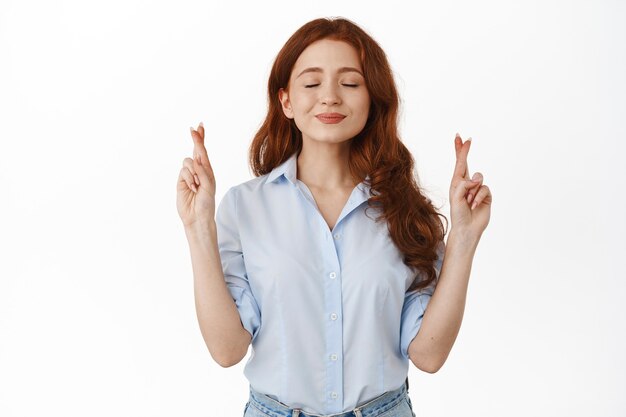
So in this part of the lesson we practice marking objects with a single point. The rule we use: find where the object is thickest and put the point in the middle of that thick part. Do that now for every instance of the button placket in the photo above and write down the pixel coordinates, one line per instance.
(333, 312)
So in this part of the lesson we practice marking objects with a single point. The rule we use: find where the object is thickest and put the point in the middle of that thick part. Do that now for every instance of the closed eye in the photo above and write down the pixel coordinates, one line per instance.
(346, 85)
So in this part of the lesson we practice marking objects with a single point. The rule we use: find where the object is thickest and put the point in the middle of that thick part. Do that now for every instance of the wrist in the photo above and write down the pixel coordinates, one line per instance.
(463, 238)
(199, 229)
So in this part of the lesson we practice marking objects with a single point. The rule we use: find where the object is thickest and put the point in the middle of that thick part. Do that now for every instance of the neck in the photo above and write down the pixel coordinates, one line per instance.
(325, 165)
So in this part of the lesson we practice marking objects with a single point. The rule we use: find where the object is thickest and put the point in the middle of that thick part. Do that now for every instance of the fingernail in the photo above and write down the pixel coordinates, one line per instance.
(191, 129)
(469, 198)
(194, 188)
(195, 176)
(469, 138)
(201, 124)
(457, 135)
(474, 205)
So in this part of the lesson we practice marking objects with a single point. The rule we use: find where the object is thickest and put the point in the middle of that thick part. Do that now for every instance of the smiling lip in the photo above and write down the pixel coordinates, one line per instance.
(330, 118)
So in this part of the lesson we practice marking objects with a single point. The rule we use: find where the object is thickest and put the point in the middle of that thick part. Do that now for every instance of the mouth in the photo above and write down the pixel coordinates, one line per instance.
(330, 118)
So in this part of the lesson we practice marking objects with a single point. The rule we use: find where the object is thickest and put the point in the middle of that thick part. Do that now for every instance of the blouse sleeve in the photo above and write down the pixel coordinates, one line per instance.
(415, 303)
(233, 265)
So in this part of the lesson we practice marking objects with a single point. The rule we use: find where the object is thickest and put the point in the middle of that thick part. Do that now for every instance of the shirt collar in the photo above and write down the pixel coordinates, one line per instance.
(289, 167)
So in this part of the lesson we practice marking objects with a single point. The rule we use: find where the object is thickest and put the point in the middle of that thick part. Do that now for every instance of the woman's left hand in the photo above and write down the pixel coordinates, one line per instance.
(470, 200)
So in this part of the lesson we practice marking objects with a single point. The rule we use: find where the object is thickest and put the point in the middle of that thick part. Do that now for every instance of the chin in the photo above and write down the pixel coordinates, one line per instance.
(330, 137)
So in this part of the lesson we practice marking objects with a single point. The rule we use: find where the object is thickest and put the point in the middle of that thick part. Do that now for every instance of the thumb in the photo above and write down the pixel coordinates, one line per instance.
(462, 188)
(200, 171)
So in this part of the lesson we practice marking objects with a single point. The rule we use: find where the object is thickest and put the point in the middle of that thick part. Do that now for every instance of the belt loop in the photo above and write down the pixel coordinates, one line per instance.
(296, 412)
(357, 412)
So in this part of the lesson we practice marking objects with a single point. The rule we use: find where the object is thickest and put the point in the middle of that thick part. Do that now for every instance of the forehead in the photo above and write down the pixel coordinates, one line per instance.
(328, 55)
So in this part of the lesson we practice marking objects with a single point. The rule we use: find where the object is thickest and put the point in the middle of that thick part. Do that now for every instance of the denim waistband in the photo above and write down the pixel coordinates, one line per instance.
(373, 407)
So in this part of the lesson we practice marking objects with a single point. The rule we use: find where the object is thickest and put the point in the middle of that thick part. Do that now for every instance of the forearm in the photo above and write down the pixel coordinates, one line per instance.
(219, 320)
(444, 313)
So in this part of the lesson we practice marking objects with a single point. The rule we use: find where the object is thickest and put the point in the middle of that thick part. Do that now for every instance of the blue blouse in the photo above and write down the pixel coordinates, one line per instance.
(329, 312)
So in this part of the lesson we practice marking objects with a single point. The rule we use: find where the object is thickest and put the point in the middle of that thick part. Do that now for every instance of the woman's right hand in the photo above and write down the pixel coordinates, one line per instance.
(195, 189)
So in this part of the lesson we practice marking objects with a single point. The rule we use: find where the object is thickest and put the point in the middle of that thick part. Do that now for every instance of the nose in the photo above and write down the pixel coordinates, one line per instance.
(329, 95)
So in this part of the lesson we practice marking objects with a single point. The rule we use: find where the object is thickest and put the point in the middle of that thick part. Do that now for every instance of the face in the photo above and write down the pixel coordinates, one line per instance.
(327, 78)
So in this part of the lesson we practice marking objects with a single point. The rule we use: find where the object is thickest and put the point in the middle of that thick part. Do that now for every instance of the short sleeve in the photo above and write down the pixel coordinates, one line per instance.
(415, 303)
(233, 265)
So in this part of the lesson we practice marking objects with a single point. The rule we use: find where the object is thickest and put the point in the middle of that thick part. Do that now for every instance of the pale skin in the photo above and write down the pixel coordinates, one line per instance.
(327, 78)
(470, 208)
(219, 320)
(322, 166)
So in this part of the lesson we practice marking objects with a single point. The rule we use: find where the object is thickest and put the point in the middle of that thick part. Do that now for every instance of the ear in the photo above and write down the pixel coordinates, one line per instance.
(283, 96)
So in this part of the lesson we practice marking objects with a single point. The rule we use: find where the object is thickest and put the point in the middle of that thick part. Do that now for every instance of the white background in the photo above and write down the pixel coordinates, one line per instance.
(97, 315)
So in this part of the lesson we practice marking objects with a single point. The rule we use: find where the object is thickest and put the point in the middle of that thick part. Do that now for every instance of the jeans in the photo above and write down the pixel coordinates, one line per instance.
(395, 403)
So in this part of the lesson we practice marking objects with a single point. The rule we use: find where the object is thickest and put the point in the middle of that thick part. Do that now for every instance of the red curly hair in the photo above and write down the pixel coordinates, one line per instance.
(414, 224)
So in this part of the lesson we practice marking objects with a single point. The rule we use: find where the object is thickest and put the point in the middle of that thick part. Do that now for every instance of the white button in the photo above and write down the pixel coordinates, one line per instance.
(333, 316)
(333, 357)
(333, 394)
(337, 235)
(332, 275)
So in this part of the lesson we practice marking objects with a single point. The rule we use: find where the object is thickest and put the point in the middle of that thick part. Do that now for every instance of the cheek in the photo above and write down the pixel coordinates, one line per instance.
(302, 102)
(363, 100)
(365, 107)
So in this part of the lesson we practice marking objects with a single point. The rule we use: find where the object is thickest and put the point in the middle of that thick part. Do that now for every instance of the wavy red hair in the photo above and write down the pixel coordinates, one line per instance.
(414, 224)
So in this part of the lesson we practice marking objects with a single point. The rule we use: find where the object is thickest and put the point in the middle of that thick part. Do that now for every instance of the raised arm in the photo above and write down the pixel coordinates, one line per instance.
(218, 316)
(470, 209)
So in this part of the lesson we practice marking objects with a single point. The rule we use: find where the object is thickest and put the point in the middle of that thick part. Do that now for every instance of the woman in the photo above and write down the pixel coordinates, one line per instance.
(332, 299)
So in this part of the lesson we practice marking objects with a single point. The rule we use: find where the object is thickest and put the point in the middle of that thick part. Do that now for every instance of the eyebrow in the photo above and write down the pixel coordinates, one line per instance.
(340, 70)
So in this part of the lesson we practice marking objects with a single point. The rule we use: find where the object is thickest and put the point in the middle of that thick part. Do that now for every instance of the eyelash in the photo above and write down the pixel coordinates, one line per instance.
(346, 85)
